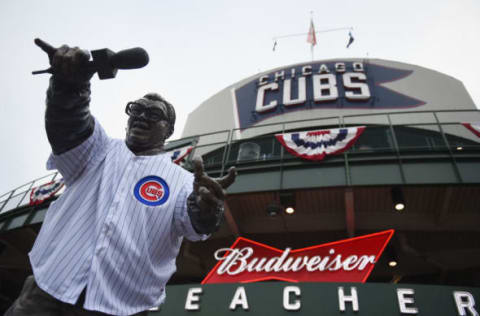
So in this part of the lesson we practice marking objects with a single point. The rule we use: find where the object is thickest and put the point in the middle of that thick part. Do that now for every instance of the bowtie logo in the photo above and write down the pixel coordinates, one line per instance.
(349, 260)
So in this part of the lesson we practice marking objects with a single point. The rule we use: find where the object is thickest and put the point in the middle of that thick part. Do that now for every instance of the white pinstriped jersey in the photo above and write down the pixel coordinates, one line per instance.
(116, 229)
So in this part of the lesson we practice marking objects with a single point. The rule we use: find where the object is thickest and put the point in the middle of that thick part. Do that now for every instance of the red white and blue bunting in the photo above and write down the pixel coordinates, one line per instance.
(474, 127)
(315, 145)
(45, 191)
(179, 155)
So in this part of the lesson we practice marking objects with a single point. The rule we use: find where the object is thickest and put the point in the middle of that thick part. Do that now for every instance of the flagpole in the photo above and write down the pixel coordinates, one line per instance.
(316, 32)
(311, 36)
(315, 40)
(276, 38)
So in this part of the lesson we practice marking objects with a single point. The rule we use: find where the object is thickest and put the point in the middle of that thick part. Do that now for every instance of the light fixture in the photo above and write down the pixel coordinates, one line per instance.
(391, 256)
(273, 209)
(459, 148)
(397, 199)
(287, 199)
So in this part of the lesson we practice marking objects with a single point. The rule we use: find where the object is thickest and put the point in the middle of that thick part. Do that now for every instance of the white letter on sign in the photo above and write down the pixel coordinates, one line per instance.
(357, 66)
(464, 300)
(330, 86)
(340, 67)
(261, 96)
(192, 297)
(286, 298)
(353, 298)
(364, 93)
(279, 75)
(403, 301)
(239, 298)
(262, 80)
(287, 92)
(306, 70)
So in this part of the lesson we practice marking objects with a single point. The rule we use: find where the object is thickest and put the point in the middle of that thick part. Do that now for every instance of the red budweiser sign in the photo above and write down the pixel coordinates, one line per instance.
(349, 260)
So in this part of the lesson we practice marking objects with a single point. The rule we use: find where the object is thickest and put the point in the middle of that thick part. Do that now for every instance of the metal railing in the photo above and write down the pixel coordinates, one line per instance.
(396, 134)
(21, 196)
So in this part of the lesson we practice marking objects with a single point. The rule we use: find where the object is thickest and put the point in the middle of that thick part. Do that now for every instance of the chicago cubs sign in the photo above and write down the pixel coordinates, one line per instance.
(151, 191)
(334, 84)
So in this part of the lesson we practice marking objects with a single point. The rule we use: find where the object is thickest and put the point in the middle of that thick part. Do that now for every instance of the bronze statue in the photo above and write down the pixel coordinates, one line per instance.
(108, 244)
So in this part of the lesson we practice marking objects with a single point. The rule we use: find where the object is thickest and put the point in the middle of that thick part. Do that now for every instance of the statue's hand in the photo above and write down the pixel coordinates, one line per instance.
(69, 64)
(210, 193)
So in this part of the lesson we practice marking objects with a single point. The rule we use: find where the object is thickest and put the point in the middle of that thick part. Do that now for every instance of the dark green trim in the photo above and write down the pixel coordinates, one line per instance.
(266, 298)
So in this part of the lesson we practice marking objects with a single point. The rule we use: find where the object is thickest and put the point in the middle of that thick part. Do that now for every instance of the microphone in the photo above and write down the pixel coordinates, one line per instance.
(106, 63)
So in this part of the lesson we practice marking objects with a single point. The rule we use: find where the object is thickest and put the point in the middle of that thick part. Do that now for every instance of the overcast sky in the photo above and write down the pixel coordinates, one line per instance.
(197, 48)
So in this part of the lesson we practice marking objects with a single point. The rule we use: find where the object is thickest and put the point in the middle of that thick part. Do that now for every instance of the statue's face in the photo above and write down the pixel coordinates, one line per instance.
(148, 126)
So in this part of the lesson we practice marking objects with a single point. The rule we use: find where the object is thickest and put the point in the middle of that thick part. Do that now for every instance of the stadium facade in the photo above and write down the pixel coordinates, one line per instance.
(413, 148)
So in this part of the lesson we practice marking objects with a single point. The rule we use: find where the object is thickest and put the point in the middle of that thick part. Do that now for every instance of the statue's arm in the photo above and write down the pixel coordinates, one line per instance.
(68, 121)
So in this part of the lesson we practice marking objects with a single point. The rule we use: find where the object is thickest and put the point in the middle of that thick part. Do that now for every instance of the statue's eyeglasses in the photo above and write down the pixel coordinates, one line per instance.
(151, 114)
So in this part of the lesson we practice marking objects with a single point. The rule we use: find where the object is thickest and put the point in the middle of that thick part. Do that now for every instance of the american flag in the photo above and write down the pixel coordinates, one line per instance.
(311, 38)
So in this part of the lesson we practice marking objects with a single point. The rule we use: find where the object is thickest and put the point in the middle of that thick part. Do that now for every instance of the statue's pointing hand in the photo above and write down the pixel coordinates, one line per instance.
(70, 64)
(206, 203)
(210, 192)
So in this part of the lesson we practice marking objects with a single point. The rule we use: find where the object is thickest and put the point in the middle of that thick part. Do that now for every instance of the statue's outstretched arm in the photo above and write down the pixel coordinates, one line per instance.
(67, 118)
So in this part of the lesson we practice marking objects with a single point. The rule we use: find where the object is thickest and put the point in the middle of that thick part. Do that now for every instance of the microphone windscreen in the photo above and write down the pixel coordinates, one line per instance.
(130, 58)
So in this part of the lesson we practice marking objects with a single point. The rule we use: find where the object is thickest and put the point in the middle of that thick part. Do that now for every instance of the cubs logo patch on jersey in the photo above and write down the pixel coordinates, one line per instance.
(151, 191)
